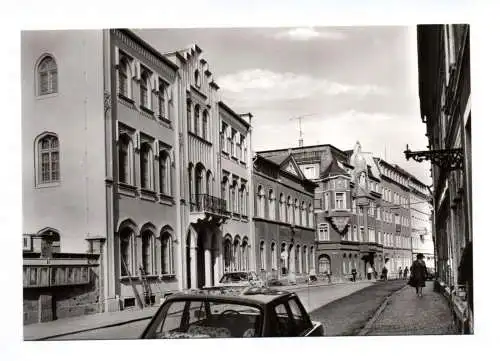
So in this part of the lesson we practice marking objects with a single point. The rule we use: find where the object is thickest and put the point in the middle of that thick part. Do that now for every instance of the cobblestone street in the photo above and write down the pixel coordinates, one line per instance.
(407, 314)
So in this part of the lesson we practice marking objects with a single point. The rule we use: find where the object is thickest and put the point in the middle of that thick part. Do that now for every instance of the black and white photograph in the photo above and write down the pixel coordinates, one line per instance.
(232, 182)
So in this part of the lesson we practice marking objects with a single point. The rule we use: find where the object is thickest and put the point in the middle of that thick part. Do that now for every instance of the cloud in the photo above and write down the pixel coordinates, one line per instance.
(253, 86)
(308, 33)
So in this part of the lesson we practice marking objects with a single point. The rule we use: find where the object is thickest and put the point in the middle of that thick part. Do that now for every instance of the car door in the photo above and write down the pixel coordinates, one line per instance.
(302, 323)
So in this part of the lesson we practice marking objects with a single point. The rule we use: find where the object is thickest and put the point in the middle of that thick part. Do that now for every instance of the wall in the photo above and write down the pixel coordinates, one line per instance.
(75, 207)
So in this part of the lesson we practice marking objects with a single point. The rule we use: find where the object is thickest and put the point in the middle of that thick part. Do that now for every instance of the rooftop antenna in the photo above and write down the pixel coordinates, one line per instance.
(299, 118)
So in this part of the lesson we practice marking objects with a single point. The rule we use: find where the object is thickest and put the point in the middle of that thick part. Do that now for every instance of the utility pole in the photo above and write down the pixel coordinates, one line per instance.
(299, 118)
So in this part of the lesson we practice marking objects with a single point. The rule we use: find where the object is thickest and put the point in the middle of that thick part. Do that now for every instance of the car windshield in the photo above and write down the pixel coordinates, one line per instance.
(234, 277)
(205, 319)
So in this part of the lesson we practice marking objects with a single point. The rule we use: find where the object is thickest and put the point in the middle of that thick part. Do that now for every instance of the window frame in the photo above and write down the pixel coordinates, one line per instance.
(322, 229)
(51, 72)
(39, 162)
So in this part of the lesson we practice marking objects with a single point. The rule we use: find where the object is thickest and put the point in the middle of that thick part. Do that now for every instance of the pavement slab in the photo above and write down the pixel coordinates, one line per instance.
(407, 314)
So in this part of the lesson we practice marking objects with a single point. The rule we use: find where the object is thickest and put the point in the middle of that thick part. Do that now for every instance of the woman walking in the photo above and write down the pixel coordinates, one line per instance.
(418, 274)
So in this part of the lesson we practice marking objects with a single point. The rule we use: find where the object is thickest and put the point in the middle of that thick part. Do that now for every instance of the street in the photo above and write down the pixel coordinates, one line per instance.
(343, 309)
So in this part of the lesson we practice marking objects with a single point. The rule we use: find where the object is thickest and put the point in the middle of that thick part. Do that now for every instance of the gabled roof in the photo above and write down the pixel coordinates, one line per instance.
(333, 169)
(287, 163)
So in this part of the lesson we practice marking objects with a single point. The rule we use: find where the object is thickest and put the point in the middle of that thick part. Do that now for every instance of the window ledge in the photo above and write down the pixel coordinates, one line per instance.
(166, 121)
(46, 96)
(48, 185)
(127, 278)
(125, 98)
(167, 276)
(147, 110)
(147, 194)
(166, 199)
(127, 189)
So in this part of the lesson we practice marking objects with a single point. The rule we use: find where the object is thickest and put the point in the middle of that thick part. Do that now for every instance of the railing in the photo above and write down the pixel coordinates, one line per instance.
(208, 203)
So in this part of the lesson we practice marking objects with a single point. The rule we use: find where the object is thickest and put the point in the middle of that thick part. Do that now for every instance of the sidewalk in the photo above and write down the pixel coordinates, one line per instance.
(407, 314)
(67, 326)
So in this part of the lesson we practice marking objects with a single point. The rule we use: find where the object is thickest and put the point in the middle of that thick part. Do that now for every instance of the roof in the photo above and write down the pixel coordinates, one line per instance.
(277, 158)
(234, 114)
(251, 295)
(333, 169)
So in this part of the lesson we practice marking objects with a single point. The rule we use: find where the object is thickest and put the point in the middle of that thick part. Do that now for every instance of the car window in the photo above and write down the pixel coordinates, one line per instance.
(283, 325)
(170, 320)
(301, 320)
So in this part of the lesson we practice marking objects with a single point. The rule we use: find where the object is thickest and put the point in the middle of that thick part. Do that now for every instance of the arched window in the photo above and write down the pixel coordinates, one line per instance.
(225, 192)
(245, 261)
(311, 216)
(127, 244)
(282, 208)
(197, 80)
(166, 254)
(324, 264)
(242, 200)
(197, 119)
(262, 255)
(189, 115)
(146, 167)
(297, 212)
(209, 180)
(237, 254)
(274, 257)
(163, 100)
(234, 198)
(48, 159)
(305, 260)
(304, 214)
(145, 85)
(125, 172)
(227, 255)
(290, 210)
(272, 202)
(260, 202)
(204, 127)
(47, 76)
(124, 76)
(148, 239)
(165, 173)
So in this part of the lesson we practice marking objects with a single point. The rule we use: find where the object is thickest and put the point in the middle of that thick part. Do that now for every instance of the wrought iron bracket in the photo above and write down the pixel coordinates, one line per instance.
(446, 159)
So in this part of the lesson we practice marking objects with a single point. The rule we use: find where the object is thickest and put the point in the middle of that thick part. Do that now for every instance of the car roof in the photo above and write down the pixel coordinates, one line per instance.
(250, 295)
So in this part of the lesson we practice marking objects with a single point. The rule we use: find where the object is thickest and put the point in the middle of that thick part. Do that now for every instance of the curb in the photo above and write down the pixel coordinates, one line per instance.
(367, 328)
(121, 323)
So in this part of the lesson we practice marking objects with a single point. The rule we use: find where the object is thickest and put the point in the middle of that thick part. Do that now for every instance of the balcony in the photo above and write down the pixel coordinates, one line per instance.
(210, 206)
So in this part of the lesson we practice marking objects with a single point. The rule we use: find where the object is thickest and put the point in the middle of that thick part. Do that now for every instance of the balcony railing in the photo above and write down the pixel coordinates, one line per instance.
(209, 204)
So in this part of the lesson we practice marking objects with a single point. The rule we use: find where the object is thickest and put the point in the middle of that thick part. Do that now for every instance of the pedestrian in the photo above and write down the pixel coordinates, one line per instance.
(369, 272)
(405, 273)
(418, 274)
(384, 273)
(354, 273)
(329, 275)
(400, 273)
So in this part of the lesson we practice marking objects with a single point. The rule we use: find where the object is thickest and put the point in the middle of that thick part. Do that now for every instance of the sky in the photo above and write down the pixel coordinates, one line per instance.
(353, 83)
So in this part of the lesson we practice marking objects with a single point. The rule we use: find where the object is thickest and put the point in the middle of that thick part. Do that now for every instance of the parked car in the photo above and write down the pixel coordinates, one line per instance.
(222, 312)
(241, 278)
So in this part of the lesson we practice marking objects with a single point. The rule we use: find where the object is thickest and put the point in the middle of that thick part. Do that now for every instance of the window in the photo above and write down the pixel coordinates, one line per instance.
(311, 216)
(146, 167)
(340, 201)
(233, 142)
(323, 232)
(260, 202)
(145, 86)
(166, 254)
(272, 203)
(245, 262)
(196, 119)
(297, 212)
(283, 324)
(164, 100)
(355, 233)
(47, 76)
(189, 115)
(327, 201)
(204, 129)
(234, 200)
(274, 258)
(301, 321)
(127, 244)
(242, 200)
(262, 255)
(303, 221)
(324, 264)
(165, 173)
(311, 171)
(282, 208)
(354, 208)
(290, 210)
(48, 159)
(147, 254)
(243, 143)
(197, 78)
(223, 137)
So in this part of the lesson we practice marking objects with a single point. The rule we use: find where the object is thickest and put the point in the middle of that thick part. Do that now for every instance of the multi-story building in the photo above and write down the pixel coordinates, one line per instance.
(421, 222)
(396, 216)
(283, 217)
(125, 173)
(236, 162)
(445, 107)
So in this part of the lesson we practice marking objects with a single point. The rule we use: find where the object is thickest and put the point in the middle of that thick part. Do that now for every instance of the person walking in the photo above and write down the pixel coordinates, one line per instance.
(354, 273)
(418, 274)
(384, 273)
(369, 272)
(400, 273)
(405, 273)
